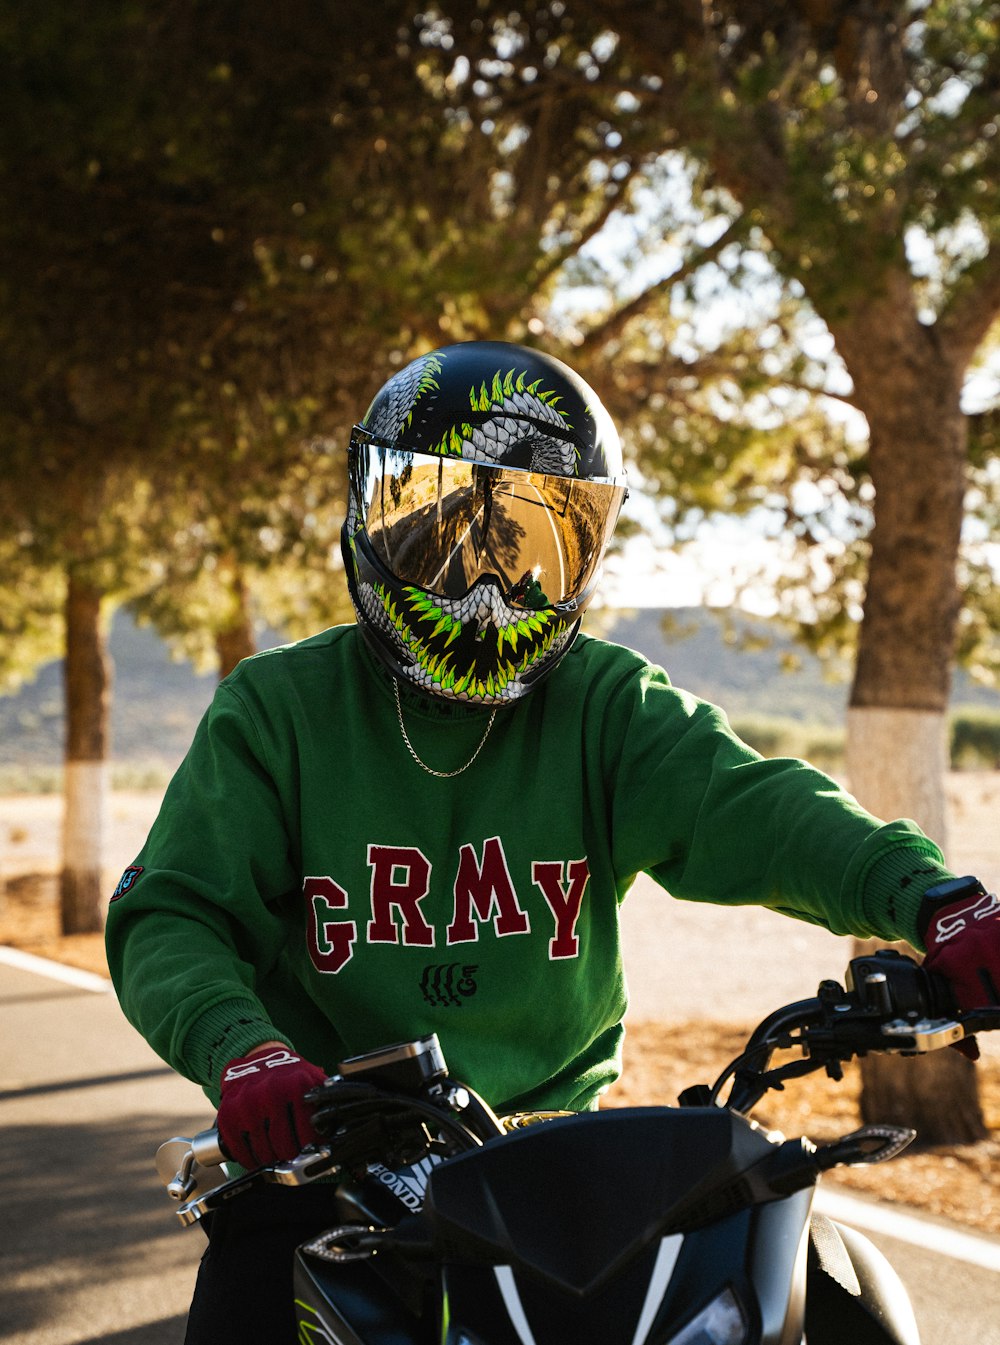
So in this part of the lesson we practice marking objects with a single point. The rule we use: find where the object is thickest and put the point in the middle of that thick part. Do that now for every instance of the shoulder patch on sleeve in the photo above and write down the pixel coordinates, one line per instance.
(126, 881)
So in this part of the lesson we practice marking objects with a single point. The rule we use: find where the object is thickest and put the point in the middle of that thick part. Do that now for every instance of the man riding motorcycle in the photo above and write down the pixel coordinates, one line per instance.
(427, 821)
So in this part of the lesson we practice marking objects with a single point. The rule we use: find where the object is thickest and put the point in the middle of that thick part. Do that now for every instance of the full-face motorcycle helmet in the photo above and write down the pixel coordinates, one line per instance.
(485, 481)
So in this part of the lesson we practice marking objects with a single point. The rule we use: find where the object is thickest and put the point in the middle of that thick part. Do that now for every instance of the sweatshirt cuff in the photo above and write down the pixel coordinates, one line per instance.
(894, 888)
(225, 1031)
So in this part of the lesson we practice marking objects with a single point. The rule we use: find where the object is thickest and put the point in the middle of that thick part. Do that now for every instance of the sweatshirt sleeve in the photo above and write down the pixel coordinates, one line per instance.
(711, 820)
(197, 920)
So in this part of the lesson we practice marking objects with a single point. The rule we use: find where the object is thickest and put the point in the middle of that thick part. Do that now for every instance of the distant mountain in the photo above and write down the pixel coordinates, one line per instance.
(741, 663)
(735, 661)
(157, 702)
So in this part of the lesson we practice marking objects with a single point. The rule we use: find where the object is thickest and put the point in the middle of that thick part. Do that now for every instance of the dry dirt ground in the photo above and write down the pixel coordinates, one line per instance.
(962, 1184)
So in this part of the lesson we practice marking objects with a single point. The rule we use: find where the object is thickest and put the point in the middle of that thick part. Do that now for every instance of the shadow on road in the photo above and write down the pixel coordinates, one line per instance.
(91, 1234)
(94, 1081)
(167, 1332)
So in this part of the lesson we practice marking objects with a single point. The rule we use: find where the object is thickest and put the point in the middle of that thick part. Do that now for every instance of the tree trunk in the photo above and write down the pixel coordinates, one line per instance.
(87, 676)
(236, 640)
(936, 1094)
(897, 759)
(896, 755)
(911, 398)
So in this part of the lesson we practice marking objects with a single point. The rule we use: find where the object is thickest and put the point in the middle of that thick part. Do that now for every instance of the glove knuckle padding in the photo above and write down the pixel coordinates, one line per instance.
(963, 946)
(263, 1117)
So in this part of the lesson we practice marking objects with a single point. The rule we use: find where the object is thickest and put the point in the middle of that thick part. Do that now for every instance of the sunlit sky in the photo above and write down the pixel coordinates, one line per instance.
(710, 572)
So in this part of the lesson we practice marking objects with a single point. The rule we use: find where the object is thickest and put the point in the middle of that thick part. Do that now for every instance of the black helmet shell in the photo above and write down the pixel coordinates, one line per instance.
(491, 401)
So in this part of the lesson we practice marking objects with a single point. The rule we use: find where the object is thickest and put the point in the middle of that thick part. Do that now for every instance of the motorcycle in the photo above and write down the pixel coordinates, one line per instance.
(683, 1225)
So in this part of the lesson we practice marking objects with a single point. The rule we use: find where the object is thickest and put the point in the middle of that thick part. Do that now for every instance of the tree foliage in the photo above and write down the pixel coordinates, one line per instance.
(226, 238)
(240, 235)
(847, 151)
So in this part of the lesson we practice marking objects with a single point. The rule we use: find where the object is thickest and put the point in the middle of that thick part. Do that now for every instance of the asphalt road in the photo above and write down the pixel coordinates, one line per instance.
(92, 1252)
(91, 1249)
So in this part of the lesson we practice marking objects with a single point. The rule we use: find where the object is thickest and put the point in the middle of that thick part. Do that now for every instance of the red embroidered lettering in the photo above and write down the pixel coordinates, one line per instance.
(330, 942)
(401, 878)
(564, 901)
(483, 887)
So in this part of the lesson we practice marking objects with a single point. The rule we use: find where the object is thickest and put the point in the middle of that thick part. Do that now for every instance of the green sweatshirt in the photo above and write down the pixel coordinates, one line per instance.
(307, 881)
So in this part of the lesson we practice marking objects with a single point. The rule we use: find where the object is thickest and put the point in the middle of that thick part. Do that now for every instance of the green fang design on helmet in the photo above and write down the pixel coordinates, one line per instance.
(432, 628)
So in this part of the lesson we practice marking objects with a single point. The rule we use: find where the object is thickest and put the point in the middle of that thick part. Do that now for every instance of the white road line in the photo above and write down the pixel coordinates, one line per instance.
(55, 971)
(925, 1233)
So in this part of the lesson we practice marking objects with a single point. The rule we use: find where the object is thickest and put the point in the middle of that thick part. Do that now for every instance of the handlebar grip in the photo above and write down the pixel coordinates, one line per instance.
(207, 1148)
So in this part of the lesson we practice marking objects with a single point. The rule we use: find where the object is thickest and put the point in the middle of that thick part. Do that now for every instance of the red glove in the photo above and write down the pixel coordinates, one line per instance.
(262, 1116)
(961, 929)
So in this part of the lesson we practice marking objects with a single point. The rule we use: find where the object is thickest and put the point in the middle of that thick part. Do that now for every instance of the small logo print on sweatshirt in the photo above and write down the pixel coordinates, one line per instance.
(126, 881)
(446, 984)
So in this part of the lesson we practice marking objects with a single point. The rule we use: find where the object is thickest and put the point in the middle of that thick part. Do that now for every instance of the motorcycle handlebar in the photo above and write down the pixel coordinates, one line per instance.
(206, 1147)
(890, 1004)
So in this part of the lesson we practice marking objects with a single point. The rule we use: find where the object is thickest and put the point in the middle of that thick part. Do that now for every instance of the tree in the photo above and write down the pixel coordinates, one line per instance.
(857, 146)
(112, 260)
(71, 523)
(221, 240)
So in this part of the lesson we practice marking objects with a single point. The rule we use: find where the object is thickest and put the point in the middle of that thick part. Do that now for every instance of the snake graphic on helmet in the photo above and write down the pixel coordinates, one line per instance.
(485, 481)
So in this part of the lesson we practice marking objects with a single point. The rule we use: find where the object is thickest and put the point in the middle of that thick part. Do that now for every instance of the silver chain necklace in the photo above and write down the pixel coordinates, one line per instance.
(441, 775)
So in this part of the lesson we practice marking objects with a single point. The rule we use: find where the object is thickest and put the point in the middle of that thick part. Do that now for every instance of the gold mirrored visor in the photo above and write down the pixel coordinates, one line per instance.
(443, 524)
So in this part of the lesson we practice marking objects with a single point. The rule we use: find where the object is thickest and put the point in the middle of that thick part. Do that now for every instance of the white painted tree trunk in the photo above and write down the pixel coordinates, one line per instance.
(88, 676)
(86, 794)
(896, 762)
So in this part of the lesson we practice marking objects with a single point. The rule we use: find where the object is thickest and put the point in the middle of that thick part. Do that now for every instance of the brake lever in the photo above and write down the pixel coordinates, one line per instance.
(927, 1034)
(981, 1020)
(308, 1166)
(856, 1033)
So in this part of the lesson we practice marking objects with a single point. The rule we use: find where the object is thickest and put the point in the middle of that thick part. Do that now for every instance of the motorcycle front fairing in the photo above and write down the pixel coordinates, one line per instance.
(687, 1289)
(652, 1226)
(627, 1225)
(646, 1226)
